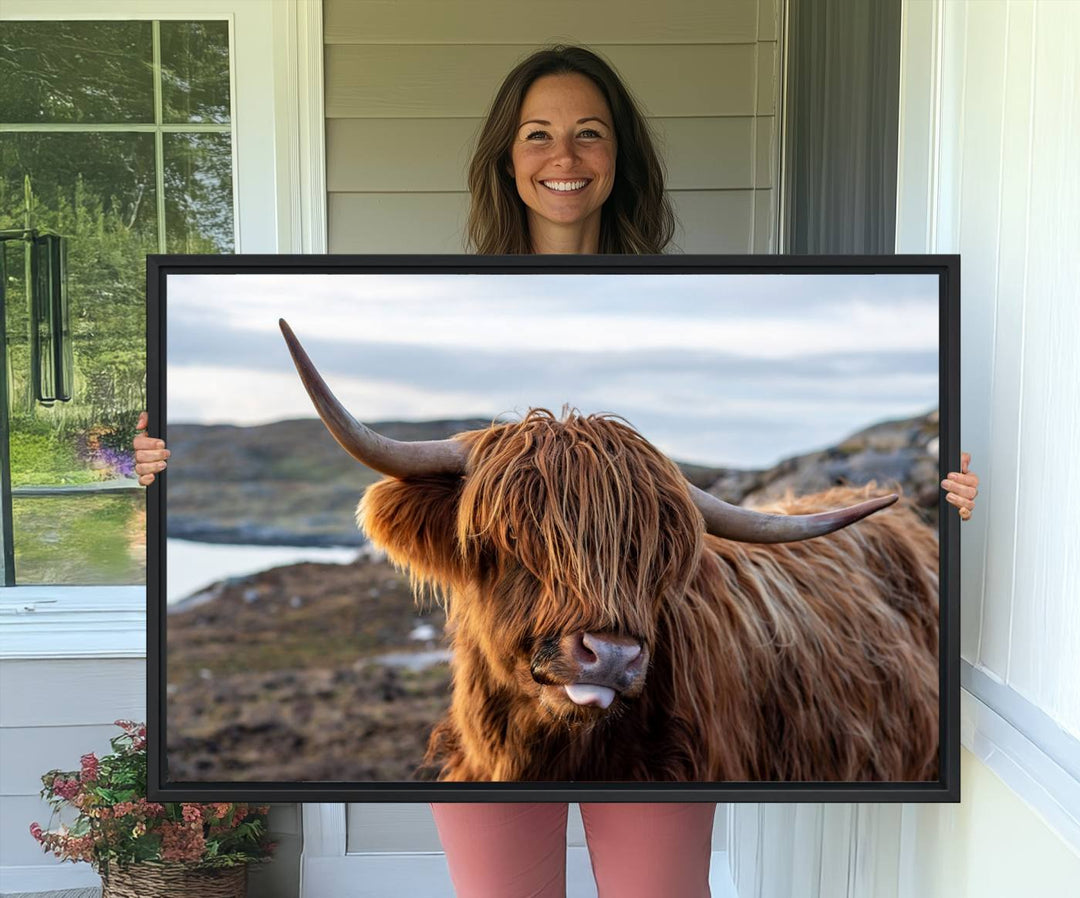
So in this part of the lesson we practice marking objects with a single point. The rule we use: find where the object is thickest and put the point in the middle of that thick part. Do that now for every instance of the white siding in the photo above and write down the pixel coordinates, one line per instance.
(408, 82)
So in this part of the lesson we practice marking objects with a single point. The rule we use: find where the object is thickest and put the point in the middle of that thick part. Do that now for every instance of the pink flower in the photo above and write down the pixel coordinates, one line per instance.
(221, 808)
(149, 808)
(89, 768)
(35, 831)
(181, 842)
(192, 813)
(66, 789)
(123, 808)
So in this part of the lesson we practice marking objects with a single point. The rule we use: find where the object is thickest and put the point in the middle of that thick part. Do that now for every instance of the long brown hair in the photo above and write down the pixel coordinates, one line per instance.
(802, 661)
(637, 216)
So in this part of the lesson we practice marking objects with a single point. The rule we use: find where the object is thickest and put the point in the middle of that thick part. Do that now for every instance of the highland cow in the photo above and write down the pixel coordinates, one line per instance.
(611, 622)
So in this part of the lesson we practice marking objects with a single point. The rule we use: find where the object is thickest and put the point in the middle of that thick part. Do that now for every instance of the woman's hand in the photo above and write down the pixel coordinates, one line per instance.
(150, 454)
(961, 487)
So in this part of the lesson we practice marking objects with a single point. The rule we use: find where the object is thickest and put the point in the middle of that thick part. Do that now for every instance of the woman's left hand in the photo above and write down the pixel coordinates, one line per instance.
(962, 487)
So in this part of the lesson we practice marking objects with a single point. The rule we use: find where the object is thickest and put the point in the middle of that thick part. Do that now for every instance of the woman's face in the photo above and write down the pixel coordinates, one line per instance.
(563, 154)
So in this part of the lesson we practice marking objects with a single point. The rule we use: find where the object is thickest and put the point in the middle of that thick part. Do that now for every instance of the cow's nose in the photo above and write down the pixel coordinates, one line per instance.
(607, 660)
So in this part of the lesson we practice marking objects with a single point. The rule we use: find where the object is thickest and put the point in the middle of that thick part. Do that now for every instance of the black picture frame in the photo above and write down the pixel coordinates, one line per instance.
(947, 789)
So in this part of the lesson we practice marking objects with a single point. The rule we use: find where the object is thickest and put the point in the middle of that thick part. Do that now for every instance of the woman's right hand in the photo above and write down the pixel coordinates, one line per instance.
(150, 453)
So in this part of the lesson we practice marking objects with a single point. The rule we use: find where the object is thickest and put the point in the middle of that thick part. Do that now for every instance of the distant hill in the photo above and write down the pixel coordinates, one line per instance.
(289, 483)
(286, 483)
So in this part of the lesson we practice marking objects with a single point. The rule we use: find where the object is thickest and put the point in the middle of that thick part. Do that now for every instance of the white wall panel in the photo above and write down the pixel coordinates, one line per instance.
(1013, 223)
(410, 80)
(1046, 622)
(713, 221)
(65, 693)
(397, 222)
(978, 167)
(28, 752)
(389, 826)
(521, 22)
(432, 154)
(1008, 200)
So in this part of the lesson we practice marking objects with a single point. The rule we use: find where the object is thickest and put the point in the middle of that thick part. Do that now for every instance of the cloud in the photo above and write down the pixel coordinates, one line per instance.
(720, 368)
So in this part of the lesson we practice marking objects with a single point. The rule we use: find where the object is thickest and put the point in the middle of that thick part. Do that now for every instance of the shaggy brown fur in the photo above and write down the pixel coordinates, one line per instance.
(814, 660)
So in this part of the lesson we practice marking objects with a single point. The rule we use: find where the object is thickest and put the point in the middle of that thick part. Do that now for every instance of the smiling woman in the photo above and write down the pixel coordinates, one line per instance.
(563, 162)
(561, 117)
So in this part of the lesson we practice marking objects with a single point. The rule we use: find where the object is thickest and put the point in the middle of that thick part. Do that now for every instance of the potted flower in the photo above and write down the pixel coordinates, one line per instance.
(141, 847)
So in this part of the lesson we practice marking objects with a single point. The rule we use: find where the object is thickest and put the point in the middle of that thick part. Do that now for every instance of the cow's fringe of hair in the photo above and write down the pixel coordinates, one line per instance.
(814, 660)
(588, 509)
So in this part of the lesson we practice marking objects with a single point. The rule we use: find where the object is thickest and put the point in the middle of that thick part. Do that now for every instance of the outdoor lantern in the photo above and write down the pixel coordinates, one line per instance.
(51, 360)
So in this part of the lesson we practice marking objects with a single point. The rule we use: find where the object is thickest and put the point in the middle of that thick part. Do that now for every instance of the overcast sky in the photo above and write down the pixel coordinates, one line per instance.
(739, 370)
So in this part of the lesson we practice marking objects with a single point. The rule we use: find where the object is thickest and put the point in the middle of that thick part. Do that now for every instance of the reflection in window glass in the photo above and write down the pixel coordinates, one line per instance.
(195, 71)
(63, 72)
(97, 190)
(106, 175)
(83, 540)
(198, 193)
(76, 521)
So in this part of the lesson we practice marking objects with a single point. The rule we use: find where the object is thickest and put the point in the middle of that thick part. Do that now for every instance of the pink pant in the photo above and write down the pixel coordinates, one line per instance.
(519, 850)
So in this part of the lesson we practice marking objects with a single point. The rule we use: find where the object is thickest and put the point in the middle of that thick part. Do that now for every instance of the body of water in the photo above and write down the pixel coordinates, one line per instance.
(193, 566)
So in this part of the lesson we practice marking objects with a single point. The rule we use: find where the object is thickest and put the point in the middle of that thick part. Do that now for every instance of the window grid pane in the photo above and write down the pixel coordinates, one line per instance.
(100, 135)
(76, 72)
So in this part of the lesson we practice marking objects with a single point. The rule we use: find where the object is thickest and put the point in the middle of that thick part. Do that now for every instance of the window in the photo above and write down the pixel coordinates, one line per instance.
(117, 136)
(277, 128)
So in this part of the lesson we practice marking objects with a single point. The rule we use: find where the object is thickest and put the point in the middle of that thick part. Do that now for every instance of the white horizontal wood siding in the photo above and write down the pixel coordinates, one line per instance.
(53, 711)
(408, 83)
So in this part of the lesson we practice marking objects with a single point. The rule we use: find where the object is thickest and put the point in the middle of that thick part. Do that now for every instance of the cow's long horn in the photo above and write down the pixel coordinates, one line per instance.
(746, 526)
(384, 455)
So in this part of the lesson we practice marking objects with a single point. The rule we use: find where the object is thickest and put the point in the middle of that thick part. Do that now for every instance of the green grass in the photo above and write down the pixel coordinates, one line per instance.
(80, 540)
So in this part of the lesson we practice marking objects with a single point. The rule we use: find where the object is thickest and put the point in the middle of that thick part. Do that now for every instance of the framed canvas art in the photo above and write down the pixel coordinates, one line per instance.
(444, 528)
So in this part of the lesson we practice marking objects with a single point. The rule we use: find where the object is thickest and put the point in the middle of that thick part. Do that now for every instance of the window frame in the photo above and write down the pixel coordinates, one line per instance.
(277, 119)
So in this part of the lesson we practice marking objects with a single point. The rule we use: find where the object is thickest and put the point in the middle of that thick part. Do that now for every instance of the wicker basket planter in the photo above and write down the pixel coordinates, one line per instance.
(151, 880)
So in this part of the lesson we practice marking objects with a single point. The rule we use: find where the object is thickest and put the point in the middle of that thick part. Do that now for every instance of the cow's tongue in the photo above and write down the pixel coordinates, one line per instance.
(588, 694)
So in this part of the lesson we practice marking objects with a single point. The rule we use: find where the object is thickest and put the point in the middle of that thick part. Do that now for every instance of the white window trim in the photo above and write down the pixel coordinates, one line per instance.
(1022, 745)
(280, 206)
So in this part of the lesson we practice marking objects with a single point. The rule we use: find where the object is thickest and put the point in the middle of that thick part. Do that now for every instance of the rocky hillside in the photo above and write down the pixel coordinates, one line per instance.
(304, 673)
(286, 483)
(289, 483)
(903, 453)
